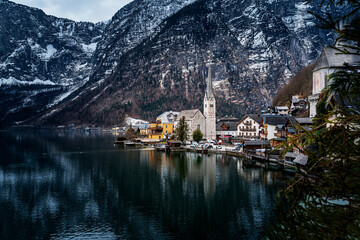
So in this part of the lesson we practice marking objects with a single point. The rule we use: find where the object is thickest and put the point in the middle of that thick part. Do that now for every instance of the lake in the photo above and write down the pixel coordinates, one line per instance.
(75, 185)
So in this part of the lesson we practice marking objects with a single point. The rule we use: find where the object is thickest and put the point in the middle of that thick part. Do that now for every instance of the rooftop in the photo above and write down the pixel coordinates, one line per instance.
(168, 117)
(275, 119)
(257, 143)
(188, 114)
(304, 120)
(333, 58)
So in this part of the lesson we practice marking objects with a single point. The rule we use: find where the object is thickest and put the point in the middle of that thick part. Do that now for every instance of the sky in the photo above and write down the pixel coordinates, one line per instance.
(78, 10)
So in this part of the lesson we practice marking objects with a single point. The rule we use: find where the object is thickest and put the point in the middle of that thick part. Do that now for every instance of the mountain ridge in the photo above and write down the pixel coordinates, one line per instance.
(257, 47)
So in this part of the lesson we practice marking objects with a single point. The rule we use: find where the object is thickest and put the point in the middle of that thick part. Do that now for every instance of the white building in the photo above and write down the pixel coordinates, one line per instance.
(249, 126)
(226, 127)
(270, 124)
(168, 117)
(330, 61)
(282, 110)
(210, 108)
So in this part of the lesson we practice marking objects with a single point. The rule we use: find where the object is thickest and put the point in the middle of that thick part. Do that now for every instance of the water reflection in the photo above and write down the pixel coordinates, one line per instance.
(70, 185)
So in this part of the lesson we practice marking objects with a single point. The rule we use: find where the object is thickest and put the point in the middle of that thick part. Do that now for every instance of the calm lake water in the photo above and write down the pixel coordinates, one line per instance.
(63, 185)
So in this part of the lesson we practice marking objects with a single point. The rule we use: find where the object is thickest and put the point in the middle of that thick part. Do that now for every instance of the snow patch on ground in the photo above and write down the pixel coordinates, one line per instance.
(50, 51)
(90, 48)
(134, 122)
(301, 19)
(259, 40)
(13, 81)
(63, 96)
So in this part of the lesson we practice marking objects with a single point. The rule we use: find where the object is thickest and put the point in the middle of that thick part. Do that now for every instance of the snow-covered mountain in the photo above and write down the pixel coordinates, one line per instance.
(151, 57)
(42, 58)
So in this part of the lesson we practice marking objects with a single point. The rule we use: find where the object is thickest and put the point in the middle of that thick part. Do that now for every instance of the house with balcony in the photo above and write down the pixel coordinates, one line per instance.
(249, 127)
(155, 130)
(167, 120)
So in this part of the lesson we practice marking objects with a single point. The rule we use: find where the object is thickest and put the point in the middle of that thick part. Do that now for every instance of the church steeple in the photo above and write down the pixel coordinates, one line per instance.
(210, 107)
(209, 94)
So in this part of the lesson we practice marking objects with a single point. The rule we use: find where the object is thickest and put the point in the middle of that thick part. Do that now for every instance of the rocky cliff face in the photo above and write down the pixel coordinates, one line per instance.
(151, 57)
(42, 58)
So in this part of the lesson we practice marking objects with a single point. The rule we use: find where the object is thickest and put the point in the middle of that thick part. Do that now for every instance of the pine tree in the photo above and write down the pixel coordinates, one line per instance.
(181, 130)
(323, 202)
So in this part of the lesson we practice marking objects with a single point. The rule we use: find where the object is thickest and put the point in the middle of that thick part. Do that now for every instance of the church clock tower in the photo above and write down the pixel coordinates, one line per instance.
(210, 107)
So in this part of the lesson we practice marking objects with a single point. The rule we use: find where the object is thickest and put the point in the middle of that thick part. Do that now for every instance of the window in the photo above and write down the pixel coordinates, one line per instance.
(159, 137)
(205, 105)
(165, 126)
(211, 105)
(166, 131)
(198, 126)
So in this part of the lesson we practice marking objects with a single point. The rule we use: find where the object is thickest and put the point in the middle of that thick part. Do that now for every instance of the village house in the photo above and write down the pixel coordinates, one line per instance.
(167, 120)
(249, 127)
(282, 110)
(270, 124)
(144, 129)
(226, 128)
(290, 129)
(298, 103)
(250, 147)
(155, 130)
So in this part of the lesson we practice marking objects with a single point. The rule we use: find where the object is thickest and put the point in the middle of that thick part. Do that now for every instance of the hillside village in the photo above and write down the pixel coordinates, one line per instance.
(257, 132)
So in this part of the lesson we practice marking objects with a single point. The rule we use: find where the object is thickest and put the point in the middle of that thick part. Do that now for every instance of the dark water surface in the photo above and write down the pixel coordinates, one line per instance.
(56, 185)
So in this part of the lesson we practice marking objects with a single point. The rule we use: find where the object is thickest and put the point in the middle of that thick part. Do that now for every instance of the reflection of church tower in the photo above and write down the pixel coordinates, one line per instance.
(210, 107)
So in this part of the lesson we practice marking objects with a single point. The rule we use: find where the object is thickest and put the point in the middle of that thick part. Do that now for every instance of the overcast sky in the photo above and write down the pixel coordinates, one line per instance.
(78, 10)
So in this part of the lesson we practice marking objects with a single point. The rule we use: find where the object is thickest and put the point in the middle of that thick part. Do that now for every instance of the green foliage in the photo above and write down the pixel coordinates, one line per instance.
(323, 201)
(197, 135)
(181, 130)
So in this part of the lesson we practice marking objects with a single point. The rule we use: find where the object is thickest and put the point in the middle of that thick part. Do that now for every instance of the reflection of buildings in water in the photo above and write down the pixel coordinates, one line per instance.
(151, 156)
(191, 167)
(210, 175)
(257, 172)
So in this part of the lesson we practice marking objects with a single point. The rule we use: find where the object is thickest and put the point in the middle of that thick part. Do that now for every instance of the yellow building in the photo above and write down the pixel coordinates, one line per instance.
(167, 120)
(144, 129)
(155, 130)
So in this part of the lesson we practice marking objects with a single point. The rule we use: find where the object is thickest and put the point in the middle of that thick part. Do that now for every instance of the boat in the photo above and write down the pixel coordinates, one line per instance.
(132, 144)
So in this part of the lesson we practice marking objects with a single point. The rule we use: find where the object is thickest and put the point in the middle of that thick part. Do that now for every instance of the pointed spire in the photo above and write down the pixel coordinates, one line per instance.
(209, 90)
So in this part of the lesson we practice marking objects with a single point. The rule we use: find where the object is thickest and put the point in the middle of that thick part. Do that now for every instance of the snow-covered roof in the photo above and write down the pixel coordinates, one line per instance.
(168, 117)
(281, 108)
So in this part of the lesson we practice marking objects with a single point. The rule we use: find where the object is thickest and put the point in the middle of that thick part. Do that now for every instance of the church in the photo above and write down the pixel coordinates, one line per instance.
(330, 61)
(205, 122)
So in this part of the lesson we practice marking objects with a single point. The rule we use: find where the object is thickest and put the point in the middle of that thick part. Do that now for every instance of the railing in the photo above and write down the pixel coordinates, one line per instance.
(248, 129)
